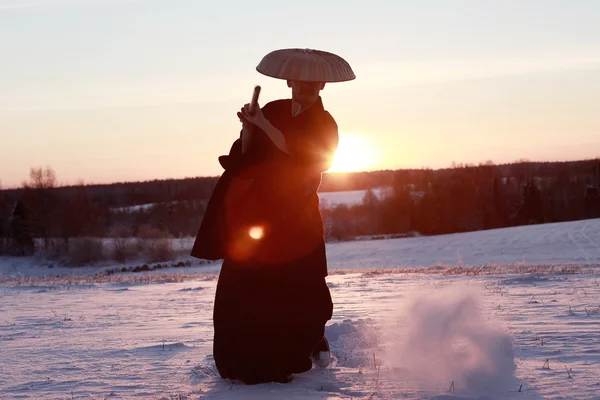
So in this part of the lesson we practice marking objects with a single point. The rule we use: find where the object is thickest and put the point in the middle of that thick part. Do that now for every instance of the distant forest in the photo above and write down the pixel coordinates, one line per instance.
(470, 198)
(458, 199)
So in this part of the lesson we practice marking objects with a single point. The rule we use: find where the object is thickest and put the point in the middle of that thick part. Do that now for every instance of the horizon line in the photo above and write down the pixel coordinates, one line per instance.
(453, 165)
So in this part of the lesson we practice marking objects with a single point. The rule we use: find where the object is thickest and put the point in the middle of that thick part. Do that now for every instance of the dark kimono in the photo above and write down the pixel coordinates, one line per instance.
(272, 301)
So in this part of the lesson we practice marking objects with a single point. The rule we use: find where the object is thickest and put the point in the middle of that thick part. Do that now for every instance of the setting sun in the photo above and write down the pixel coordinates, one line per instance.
(354, 153)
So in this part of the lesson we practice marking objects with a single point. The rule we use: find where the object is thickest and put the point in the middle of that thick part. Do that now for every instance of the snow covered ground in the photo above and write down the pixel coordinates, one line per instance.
(482, 330)
(549, 244)
(560, 243)
(349, 197)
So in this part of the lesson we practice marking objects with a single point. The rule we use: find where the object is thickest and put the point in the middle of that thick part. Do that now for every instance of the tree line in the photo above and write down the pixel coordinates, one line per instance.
(469, 198)
(457, 199)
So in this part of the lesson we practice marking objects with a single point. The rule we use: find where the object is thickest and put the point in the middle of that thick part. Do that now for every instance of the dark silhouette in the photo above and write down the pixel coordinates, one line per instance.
(272, 300)
(20, 229)
(263, 219)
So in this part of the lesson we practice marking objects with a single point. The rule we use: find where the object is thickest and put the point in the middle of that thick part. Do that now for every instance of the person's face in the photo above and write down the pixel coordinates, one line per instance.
(305, 93)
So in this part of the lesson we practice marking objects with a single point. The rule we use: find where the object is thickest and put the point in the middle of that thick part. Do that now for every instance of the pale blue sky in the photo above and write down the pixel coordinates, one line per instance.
(105, 90)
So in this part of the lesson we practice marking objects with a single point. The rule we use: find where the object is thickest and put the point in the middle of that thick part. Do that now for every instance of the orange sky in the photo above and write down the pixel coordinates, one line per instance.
(110, 91)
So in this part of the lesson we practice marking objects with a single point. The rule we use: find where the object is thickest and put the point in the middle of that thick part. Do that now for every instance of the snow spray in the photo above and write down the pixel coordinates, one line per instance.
(443, 341)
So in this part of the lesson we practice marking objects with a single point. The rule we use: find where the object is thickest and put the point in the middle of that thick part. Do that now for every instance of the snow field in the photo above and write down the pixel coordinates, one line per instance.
(392, 335)
(517, 315)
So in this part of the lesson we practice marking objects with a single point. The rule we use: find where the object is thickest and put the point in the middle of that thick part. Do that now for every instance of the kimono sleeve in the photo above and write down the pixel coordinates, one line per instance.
(234, 159)
(317, 146)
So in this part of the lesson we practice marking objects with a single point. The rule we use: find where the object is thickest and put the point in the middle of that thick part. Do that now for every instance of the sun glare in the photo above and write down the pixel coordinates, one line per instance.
(354, 153)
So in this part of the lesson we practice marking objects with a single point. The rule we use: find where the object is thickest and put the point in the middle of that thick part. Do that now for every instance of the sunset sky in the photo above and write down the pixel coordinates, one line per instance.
(119, 90)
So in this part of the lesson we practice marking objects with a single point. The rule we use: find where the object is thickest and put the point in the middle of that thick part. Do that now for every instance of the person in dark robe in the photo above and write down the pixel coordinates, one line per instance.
(21, 234)
(272, 301)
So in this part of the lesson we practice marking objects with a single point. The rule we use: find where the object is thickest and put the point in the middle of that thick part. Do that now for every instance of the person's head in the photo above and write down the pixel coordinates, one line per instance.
(305, 93)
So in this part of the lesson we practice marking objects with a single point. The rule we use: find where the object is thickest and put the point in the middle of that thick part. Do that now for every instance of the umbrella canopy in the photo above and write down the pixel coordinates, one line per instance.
(305, 65)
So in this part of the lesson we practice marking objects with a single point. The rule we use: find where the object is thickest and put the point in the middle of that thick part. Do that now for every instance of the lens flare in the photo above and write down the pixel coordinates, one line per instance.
(256, 232)
(354, 153)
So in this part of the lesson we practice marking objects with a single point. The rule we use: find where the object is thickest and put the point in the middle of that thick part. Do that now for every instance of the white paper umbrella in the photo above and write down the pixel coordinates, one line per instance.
(305, 65)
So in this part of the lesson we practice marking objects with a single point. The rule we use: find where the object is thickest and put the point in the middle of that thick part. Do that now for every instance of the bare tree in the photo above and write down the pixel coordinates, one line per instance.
(40, 178)
(41, 201)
